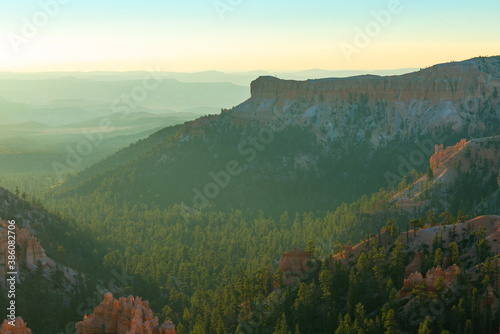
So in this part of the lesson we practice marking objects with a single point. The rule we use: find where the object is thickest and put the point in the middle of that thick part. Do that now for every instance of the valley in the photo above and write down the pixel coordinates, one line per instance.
(322, 206)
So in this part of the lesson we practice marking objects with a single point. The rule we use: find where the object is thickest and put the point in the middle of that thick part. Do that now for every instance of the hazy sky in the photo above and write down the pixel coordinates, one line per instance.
(241, 35)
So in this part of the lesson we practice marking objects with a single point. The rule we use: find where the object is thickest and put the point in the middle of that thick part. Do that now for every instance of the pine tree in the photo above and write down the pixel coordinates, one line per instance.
(398, 260)
(417, 224)
(431, 218)
(281, 326)
(414, 175)
(352, 292)
(304, 302)
(438, 257)
(390, 227)
(345, 325)
(325, 279)
(425, 327)
(455, 255)
(430, 174)
(390, 323)
(359, 314)
(311, 248)
(468, 327)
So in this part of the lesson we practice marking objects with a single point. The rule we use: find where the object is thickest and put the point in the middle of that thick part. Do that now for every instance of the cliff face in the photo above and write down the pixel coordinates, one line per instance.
(380, 108)
(453, 81)
(123, 316)
(29, 250)
(19, 328)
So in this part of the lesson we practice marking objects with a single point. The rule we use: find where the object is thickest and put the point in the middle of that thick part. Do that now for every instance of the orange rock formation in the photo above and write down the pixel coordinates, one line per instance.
(123, 316)
(29, 249)
(498, 179)
(415, 265)
(408, 204)
(20, 327)
(294, 264)
(430, 279)
(442, 154)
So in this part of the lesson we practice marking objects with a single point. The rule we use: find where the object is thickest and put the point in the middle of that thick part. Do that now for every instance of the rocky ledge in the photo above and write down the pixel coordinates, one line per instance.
(123, 316)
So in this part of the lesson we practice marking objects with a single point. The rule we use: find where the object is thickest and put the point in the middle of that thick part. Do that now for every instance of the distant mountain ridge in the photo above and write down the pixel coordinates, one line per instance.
(319, 142)
(236, 78)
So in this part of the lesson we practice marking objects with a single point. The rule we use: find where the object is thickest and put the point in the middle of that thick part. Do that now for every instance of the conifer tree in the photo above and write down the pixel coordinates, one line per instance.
(425, 327)
(390, 323)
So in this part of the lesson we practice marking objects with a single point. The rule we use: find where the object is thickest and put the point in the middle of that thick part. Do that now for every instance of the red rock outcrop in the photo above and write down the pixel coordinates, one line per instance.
(415, 265)
(293, 264)
(19, 328)
(430, 279)
(489, 299)
(498, 179)
(408, 204)
(123, 316)
(29, 250)
(35, 253)
(442, 154)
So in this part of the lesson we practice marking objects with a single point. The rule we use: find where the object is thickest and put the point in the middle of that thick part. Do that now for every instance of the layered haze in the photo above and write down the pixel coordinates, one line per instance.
(235, 166)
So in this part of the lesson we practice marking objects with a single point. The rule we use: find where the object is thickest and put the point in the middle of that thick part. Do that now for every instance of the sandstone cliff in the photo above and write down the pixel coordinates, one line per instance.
(123, 316)
(381, 108)
(19, 328)
(451, 81)
(29, 251)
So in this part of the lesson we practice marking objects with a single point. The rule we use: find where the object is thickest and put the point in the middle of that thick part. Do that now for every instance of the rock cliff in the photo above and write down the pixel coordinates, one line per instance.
(123, 316)
(29, 250)
(381, 108)
(19, 328)
(451, 81)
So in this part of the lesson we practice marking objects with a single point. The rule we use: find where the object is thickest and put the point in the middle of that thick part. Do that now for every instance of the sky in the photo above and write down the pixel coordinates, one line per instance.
(243, 35)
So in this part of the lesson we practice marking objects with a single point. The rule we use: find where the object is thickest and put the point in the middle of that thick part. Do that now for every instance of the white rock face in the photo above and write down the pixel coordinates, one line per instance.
(447, 96)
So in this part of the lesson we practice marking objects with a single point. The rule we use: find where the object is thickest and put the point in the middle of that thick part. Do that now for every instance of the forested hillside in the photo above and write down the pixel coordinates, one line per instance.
(206, 220)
